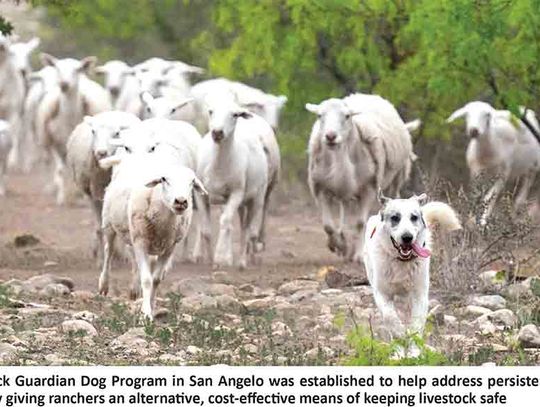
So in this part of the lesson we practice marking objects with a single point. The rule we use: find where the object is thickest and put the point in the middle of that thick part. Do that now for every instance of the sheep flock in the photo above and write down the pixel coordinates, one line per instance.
(154, 153)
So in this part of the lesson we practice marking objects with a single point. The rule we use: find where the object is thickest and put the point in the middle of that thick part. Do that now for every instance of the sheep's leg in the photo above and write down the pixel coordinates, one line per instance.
(108, 246)
(190, 237)
(203, 236)
(336, 238)
(261, 244)
(3, 168)
(249, 235)
(224, 249)
(162, 265)
(97, 207)
(147, 283)
(135, 290)
(394, 190)
(242, 215)
(59, 178)
(523, 192)
(254, 224)
(491, 199)
(15, 131)
(364, 209)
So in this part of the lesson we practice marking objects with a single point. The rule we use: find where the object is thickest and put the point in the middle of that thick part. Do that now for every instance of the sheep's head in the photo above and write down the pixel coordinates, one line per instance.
(163, 107)
(106, 134)
(114, 73)
(20, 52)
(151, 74)
(268, 107)
(177, 186)
(477, 116)
(68, 70)
(335, 121)
(223, 116)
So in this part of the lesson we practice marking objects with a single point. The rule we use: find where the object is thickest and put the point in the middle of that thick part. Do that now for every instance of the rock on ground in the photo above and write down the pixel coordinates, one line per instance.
(529, 336)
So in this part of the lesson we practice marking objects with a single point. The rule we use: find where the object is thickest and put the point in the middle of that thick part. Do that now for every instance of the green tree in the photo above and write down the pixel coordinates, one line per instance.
(427, 56)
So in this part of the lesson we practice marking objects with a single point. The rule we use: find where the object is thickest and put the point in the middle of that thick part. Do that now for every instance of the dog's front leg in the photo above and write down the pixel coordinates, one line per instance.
(419, 300)
(390, 316)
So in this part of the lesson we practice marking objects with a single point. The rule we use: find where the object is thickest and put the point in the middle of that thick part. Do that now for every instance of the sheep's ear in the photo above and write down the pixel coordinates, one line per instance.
(87, 63)
(129, 71)
(244, 114)
(310, 107)
(281, 100)
(194, 69)
(34, 77)
(100, 70)
(199, 187)
(422, 198)
(47, 59)
(155, 182)
(253, 105)
(88, 120)
(457, 114)
(383, 200)
(33, 43)
(117, 142)
(354, 112)
(413, 125)
(146, 97)
(182, 103)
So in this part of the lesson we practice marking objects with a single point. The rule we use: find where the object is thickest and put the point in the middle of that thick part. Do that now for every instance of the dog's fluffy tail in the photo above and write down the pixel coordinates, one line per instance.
(439, 213)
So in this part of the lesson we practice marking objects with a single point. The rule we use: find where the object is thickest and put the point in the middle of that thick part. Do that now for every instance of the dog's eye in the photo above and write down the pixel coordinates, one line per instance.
(414, 218)
(395, 218)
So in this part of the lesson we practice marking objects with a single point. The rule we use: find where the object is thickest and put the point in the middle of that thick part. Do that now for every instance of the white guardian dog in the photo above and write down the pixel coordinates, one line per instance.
(397, 257)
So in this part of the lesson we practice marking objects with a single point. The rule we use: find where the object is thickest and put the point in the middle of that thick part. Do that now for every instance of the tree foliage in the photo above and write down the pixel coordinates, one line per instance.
(428, 57)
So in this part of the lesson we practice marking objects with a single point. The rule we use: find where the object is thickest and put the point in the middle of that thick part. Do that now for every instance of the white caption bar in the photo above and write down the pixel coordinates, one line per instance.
(262, 386)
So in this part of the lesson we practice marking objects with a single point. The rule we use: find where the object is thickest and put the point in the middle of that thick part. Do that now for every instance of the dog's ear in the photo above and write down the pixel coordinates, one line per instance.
(383, 200)
(422, 198)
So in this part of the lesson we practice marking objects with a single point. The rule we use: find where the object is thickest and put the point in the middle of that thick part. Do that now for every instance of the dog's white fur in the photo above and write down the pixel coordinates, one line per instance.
(400, 288)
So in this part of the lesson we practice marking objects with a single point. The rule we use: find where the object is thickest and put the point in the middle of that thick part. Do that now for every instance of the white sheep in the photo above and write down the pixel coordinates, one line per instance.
(21, 52)
(148, 204)
(12, 91)
(39, 84)
(5, 147)
(256, 101)
(170, 106)
(500, 146)
(233, 166)
(91, 141)
(154, 74)
(114, 73)
(152, 133)
(358, 145)
(64, 107)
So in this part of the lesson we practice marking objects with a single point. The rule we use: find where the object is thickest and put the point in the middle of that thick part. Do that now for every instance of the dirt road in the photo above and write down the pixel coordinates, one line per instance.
(296, 242)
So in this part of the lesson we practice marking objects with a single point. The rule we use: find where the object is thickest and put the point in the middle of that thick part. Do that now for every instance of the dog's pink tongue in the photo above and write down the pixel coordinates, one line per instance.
(421, 251)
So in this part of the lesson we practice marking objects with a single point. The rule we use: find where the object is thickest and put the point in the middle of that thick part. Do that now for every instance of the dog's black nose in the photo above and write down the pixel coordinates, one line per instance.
(406, 238)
